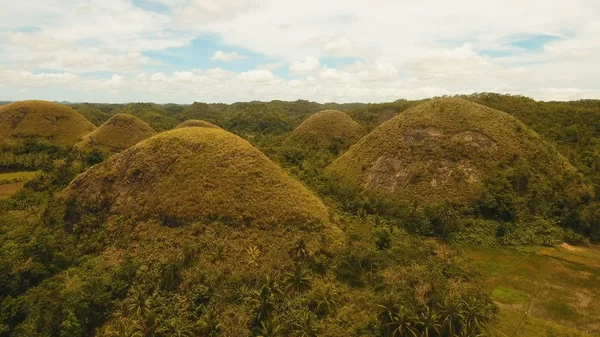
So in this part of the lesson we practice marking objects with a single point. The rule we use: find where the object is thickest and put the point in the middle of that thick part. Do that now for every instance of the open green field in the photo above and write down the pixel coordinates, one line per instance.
(13, 182)
(19, 176)
(543, 291)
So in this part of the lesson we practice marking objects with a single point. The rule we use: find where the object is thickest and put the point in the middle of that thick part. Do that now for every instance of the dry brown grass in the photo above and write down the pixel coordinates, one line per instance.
(326, 131)
(193, 174)
(47, 122)
(8, 190)
(443, 151)
(118, 133)
(196, 123)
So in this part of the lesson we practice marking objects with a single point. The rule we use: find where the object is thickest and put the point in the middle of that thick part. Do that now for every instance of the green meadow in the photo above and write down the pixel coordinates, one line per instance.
(541, 290)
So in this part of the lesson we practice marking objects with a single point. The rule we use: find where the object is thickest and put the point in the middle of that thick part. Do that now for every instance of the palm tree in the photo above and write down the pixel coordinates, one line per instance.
(429, 323)
(219, 253)
(209, 325)
(269, 328)
(387, 309)
(378, 221)
(263, 302)
(469, 330)
(139, 303)
(300, 250)
(447, 218)
(325, 301)
(253, 255)
(298, 280)
(451, 315)
(474, 313)
(103, 331)
(402, 324)
(305, 327)
(274, 286)
(176, 327)
(124, 328)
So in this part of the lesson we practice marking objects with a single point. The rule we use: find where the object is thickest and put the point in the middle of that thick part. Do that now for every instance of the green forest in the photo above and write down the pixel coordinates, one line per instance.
(470, 215)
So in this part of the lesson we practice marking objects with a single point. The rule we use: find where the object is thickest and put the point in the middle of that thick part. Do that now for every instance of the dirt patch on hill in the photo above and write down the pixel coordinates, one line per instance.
(391, 173)
(474, 138)
(569, 247)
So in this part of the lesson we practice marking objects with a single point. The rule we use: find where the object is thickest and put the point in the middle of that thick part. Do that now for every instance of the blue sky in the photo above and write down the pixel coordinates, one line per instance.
(236, 50)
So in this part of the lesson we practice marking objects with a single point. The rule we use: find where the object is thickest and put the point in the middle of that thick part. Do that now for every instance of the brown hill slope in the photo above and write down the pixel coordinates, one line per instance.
(118, 133)
(196, 123)
(454, 151)
(193, 174)
(327, 131)
(46, 122)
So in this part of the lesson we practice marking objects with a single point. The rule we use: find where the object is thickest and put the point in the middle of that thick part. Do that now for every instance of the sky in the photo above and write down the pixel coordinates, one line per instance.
(182, 51)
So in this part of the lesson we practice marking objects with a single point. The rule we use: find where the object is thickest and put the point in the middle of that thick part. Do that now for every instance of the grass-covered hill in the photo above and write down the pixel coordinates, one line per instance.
(45, 122)
(194, 174)
(197, 123)
(330, 131)
(118, 133)
(452, 151)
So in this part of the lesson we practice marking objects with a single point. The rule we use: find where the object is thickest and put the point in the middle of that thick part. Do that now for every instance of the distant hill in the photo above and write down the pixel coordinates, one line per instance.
(153, 114)
(452, 151)
(46, 122)
(330, 131)
(93, 113)
(197, 123)
(257, 118)
(118, 133)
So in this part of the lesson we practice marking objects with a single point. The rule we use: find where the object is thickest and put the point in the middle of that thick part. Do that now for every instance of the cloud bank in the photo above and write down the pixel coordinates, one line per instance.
(233, 50)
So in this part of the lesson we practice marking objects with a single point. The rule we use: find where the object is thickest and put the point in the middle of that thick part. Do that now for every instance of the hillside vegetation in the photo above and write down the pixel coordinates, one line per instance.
(153, 114)
(116, 134)
(46, 122)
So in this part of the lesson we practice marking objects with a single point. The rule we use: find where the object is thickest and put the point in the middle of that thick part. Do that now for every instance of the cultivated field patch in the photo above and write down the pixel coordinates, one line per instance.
(543, 291)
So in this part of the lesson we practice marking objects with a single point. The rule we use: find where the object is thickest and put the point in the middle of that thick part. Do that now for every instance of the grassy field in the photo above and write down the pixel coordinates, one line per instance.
(543, 291)
(12, 182)
(19, 176)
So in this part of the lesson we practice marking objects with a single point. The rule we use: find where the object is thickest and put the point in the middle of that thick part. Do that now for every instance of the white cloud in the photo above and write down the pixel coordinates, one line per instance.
(217, 85)
(309, 65)
(219, 55)
(257, 76)
(202, 11)
(34, 41)
(270, 66)
(402, 50)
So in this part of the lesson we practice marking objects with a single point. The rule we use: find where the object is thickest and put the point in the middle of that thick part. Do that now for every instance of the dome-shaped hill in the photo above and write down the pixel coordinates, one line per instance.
(196, 123)
(450, 151)
(327, 131)
(196, 174)
(118, 133)
(46, 122)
